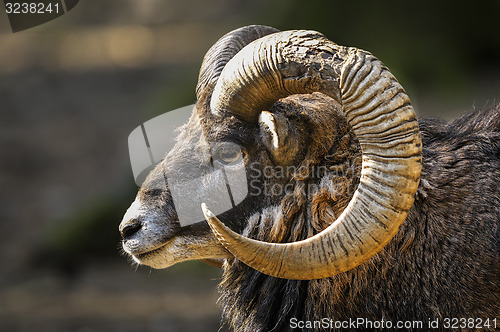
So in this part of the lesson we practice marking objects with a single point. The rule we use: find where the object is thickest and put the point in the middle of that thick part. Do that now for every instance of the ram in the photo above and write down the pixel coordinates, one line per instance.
(353, 208)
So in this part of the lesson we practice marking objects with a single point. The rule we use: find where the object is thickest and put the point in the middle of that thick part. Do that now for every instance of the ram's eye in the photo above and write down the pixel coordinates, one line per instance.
(229, 156)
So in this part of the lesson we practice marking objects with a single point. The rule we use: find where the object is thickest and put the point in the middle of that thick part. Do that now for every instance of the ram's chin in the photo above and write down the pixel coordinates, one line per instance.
(183, 248)
(157, 259)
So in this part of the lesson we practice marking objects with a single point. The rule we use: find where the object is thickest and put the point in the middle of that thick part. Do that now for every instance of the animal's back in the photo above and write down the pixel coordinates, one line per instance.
(455, 221)
(442, 264)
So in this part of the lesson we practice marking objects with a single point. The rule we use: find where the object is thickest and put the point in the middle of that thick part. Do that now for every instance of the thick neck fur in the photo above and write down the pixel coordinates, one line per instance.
(442, 263)
(253, 301)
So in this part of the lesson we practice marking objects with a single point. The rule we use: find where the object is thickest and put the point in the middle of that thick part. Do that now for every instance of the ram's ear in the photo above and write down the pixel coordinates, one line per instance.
(278, 136)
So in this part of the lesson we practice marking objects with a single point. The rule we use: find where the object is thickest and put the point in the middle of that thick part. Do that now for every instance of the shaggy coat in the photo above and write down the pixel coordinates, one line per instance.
(443, 263)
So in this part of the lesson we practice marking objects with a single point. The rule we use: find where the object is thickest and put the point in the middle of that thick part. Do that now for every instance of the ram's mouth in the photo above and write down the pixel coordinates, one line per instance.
(148, 246)
(150, 253)
(191, 242)
(159, 257)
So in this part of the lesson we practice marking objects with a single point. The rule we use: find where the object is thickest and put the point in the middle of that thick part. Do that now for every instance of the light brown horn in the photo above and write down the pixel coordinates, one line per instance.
(381, 116)
(224, 49)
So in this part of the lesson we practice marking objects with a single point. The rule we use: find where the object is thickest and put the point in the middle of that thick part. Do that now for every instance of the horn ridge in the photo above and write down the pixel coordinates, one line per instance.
(224, 49)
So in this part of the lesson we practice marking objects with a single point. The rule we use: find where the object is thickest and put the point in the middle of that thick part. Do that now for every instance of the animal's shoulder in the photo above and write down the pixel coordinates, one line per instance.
(475, 134)
(478, 121)
(461, 158)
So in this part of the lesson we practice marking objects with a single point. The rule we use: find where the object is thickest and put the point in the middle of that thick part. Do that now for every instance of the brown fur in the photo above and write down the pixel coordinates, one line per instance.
(442, 263)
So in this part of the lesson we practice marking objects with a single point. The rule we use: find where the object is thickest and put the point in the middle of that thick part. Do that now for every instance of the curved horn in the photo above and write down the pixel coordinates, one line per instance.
(382, 118)
(224, 49)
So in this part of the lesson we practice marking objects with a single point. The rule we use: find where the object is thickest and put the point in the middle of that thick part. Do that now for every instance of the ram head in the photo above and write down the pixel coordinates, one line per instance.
(324, 140)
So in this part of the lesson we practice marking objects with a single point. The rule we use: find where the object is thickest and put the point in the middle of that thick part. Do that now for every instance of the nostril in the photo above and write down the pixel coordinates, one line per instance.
(131, 228)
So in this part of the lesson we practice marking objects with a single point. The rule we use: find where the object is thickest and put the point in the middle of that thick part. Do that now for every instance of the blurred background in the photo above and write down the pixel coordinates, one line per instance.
(72, 90)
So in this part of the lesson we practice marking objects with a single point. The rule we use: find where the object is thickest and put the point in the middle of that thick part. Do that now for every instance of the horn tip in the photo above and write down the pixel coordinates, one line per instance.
(220, 230)
(208, 214)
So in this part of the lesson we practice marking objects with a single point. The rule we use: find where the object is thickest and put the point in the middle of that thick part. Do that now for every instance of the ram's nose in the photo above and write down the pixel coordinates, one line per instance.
(129, 227)
(132, 221)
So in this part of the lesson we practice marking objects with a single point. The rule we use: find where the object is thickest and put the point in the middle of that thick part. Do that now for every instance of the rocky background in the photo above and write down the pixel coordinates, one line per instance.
(73, 89)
